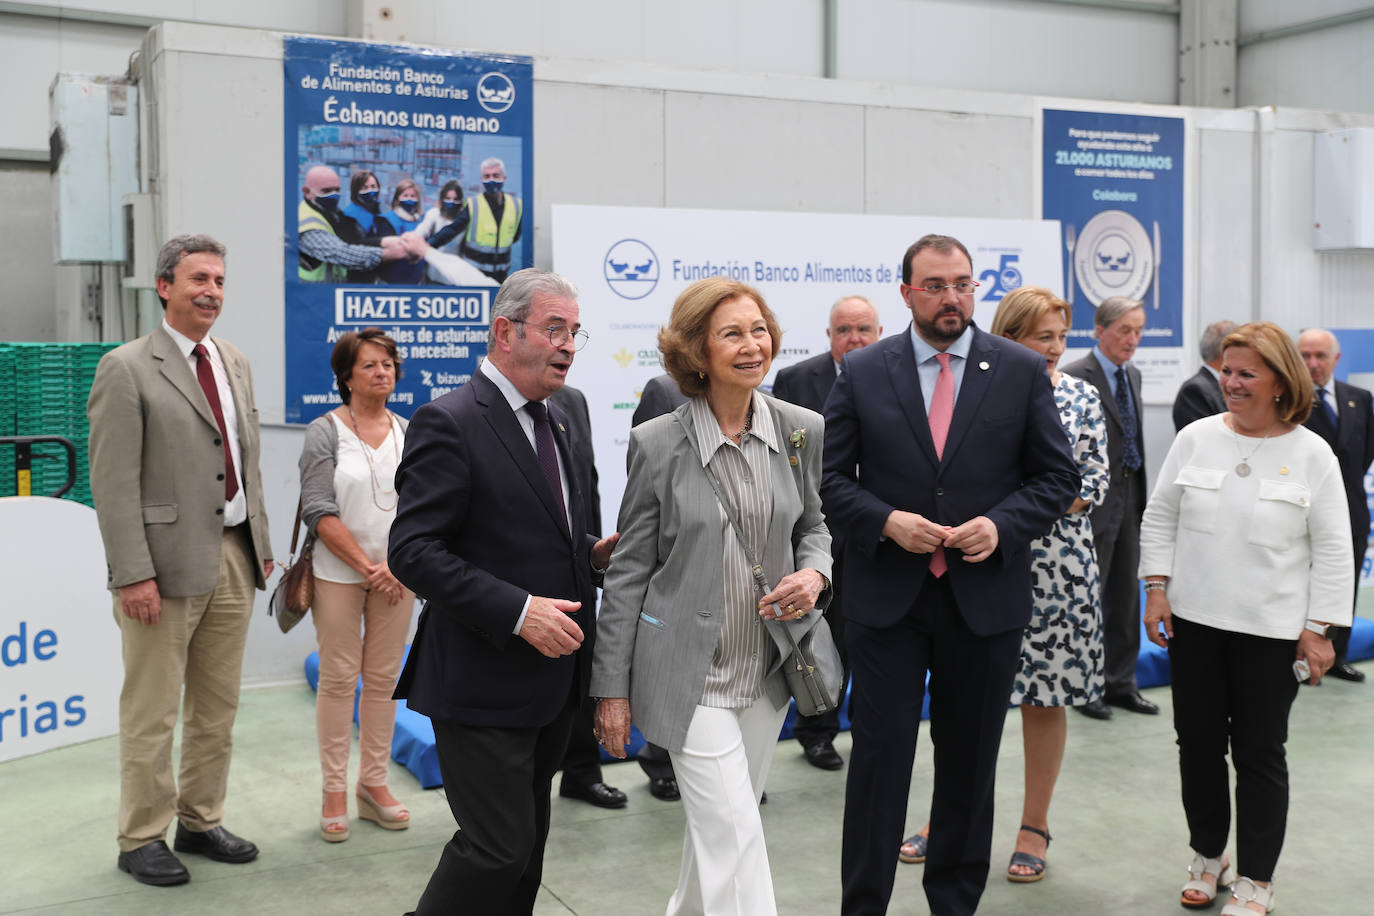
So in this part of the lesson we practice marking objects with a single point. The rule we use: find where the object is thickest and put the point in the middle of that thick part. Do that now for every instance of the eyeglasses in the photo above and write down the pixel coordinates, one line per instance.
(559, 334)
(963, 288)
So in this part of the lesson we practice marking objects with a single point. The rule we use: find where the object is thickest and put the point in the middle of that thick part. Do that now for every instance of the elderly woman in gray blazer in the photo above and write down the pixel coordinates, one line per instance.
(686, 648)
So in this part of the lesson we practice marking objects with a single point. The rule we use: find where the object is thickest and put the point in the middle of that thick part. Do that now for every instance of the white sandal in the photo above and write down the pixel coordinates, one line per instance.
(1247, 891)
(1200, 866)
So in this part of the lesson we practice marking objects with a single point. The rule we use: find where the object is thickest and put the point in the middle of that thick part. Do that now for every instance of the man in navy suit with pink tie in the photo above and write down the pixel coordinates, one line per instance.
(944, 457)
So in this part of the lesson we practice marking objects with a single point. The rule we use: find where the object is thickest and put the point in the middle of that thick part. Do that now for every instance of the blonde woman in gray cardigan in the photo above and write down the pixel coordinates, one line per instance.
(1245, 553)
(685, 647)
(361, 612)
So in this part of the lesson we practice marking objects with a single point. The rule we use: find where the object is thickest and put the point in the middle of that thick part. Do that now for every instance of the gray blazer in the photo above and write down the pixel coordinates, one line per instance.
(663, 606)
(155, 457)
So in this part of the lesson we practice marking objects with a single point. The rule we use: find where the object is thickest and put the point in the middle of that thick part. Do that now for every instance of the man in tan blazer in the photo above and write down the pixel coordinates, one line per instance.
(174, 474)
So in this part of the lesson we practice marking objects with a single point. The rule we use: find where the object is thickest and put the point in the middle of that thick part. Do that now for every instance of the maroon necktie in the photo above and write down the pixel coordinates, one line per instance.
(206, 376)
(547, 454)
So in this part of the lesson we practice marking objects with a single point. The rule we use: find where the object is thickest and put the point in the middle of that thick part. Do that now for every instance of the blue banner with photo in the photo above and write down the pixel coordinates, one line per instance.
(408, 177)
(1115, 183)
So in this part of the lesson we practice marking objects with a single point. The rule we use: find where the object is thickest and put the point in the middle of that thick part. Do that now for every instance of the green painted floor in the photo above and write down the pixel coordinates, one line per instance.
(1120, 843)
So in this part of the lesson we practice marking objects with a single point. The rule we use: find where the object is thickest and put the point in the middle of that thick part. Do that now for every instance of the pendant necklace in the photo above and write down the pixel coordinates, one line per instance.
(372, 467)
(748, 425)
(1243, 468)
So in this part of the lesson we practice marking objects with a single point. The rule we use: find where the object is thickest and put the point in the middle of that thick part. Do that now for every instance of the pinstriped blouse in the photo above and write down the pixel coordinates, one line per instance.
(744, 651)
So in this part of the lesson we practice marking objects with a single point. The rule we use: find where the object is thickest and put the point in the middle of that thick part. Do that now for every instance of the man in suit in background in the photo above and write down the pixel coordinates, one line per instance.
(491, 529)
(1200, 396)
(944, 457)
(853, 325)
(1344, 417)
(174, 476)
(660, 396)
(582, 760)
(1119, 322)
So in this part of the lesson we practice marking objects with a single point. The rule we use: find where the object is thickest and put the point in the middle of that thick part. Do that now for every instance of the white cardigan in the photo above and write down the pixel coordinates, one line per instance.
(1260, 554)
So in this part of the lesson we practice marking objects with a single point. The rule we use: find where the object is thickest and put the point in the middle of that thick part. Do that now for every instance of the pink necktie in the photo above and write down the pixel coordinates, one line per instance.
(941, 413)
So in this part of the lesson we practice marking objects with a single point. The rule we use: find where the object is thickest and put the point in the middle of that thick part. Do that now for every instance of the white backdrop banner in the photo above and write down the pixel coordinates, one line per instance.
(631, 263)
(60, 656)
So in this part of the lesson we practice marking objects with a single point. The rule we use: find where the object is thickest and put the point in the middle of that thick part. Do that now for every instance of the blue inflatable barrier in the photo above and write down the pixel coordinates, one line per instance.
(412, 745)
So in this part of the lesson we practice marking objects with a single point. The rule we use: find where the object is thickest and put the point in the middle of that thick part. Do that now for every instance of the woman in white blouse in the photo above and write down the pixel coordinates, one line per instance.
(1245, 553)
(361, 612)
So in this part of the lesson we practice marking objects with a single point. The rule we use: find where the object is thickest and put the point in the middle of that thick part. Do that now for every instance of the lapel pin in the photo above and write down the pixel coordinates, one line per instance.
(1349, 403)
(792, 460)
(562, 428)
(984, 365)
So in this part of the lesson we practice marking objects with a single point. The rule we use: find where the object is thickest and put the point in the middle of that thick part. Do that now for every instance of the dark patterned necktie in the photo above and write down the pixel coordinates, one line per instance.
(1323, 394)
(206, 376)
(1125, 405)
(547, 454)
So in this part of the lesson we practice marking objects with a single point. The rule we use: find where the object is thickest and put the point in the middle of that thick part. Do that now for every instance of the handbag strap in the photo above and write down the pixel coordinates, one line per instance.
(296, 526)
(755, 567)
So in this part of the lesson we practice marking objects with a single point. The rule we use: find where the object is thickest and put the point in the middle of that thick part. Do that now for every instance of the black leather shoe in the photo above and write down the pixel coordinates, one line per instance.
(1346, 672)
(1134, 702)
(216, 843)
(153, 863)
(664, 788)
(1096, 710)
(822, 754)
(595, 793)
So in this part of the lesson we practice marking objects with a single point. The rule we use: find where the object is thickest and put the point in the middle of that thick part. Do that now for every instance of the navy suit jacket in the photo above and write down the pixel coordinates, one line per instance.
(1108, 517)
(1353, 443)
(661, 395)
(1198, 397)
(1006, 457)
(808, 383)
(477, 529)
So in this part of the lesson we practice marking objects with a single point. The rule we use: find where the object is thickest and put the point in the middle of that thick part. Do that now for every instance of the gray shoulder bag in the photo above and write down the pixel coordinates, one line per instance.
(812, 668)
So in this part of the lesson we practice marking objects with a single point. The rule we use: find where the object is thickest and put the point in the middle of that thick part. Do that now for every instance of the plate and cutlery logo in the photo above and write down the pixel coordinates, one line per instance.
(1113, 255)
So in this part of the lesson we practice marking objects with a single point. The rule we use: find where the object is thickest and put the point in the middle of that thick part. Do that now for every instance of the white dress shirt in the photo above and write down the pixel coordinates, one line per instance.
(236, 509)
(517, 402)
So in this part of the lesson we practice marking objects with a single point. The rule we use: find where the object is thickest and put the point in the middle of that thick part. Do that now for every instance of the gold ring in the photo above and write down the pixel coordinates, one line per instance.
(792, 608)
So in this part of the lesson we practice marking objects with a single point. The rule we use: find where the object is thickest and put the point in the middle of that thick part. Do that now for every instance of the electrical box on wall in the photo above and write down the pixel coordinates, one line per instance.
(94, 163)
(1343, 189)
(140, 246)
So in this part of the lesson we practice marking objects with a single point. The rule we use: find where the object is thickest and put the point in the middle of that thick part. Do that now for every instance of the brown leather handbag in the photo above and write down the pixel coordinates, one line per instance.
(295, 591)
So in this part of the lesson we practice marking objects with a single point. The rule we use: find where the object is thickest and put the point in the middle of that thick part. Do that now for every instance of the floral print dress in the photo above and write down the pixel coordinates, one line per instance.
(1061, 650)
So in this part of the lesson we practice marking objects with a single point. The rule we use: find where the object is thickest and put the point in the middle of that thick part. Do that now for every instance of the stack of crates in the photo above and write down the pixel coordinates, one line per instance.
(7, 405)
(47, 389)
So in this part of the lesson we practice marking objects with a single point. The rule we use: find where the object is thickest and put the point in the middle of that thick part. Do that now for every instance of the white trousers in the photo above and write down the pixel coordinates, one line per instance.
(720, 773)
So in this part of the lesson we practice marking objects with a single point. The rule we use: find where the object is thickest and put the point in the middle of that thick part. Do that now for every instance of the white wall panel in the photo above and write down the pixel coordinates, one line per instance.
(1332, 70)
(29, 295)
(1264, 15)
(943, 163)
(762, 154)
(594, 145)
(1225, 210)
(1347, 289)
(320, 16)
(1011, 45)
(1292, 276)
(33, 51)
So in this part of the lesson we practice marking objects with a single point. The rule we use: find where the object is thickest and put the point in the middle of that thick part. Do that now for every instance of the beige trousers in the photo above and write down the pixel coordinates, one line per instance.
(192, 657)
(360, 632)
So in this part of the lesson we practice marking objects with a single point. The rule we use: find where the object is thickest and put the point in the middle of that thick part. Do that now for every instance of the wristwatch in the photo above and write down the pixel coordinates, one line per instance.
(1318, 628)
